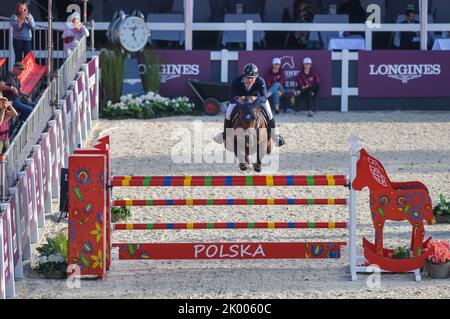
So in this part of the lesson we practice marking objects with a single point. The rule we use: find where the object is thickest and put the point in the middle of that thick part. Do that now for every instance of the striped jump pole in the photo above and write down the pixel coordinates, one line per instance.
(229, 202)
(230, 225)
(90, 227)
(269, 180)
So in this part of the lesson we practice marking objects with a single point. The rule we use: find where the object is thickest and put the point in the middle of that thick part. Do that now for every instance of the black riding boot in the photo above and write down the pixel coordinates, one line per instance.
(226, 124)
(221, 137)
(277, 138)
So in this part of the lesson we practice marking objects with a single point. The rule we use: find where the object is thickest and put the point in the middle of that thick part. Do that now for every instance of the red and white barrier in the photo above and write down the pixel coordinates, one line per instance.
(83, 92)
(93, 76)
(68, 122)
(30, 200)
(46, 172)
(16, 231)
(54, 157)
(7, 288)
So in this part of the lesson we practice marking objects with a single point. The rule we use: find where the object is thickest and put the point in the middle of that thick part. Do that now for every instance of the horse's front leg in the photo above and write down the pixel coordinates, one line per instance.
(259, 153)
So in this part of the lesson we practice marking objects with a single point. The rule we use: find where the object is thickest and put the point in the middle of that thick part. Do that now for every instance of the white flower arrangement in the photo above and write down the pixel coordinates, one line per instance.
(148, 105)
(52, 256)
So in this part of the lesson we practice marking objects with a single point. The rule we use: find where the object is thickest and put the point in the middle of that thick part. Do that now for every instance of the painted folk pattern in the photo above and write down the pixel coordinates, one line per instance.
(87, 222)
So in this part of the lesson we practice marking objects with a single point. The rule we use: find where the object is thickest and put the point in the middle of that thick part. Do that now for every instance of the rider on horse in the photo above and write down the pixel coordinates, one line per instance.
(249, 84)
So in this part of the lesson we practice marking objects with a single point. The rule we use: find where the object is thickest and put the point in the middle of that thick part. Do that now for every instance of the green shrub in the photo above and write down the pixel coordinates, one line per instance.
(401, 253)
(53, 254)
(120, 213)
(443, 207)
(112, 68)
(151, 78)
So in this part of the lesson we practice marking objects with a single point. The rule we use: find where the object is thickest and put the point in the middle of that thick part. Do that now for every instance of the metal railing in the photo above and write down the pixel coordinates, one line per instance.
(249, 27)
(69, 69)
(39, 42)
(30, 131)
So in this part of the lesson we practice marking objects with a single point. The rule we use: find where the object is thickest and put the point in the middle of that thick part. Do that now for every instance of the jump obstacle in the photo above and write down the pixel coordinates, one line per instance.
(90, 227)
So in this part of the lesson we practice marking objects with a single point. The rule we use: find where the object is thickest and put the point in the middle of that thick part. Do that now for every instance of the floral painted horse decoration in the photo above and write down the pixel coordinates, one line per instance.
(396, 202)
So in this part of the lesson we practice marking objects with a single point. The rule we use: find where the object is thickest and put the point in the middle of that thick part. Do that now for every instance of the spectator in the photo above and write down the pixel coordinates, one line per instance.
(11, 90)
(7, 112)
(309, 84)
(73, 33)
(354, 9)
(22, 23)
(410, 40)
(218, 9)
(275, 82)
(303, 13)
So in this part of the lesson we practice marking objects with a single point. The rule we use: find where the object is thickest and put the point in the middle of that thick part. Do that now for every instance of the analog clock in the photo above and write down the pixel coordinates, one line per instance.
(131, 32)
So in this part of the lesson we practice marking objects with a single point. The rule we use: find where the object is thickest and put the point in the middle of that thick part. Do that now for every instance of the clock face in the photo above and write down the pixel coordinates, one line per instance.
(133, 34)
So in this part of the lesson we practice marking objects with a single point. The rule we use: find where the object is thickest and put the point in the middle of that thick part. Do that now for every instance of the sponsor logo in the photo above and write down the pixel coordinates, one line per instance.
(290, 72)
(132, 81)
(173, 71)
(405, 72)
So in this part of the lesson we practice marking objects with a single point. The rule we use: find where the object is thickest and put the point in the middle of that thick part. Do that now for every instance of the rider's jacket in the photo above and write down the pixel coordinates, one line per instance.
(238, 88)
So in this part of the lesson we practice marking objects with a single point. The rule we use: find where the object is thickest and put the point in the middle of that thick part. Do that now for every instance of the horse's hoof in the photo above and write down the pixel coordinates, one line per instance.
(257, 168)
(243, 167)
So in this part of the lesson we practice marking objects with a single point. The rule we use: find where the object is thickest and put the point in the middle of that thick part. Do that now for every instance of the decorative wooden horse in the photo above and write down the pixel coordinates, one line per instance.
(397, 202)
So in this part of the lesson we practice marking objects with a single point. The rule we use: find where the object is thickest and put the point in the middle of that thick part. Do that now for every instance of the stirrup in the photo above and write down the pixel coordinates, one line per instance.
(219, 138)
(278, 140)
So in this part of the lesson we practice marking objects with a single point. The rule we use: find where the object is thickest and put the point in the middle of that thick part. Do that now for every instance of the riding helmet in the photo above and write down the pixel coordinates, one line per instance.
(250, 70)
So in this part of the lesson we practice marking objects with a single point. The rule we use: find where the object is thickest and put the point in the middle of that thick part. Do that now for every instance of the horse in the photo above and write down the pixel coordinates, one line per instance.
(393, 201)
(250, 133)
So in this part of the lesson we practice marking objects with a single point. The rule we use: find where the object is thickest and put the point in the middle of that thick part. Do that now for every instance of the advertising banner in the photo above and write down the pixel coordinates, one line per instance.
(178, 66)
(403, 74)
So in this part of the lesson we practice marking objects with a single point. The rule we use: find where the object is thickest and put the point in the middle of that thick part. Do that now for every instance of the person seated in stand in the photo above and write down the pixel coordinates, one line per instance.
(303, 12)
(11, 90)
(7, 112)
(248, 84)
(410, 40)
(355, 12)
(275, 82)
(354, 9)
(308, 82)
(73, 33)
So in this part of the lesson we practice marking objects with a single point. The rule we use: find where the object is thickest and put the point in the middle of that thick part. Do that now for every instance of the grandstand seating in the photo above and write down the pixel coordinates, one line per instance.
(32, 74)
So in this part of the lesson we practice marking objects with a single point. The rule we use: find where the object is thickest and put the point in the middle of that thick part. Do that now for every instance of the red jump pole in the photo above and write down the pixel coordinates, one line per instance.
(253, 250)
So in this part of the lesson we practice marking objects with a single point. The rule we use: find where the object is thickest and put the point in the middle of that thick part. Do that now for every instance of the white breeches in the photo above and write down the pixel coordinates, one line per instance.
(266, 107)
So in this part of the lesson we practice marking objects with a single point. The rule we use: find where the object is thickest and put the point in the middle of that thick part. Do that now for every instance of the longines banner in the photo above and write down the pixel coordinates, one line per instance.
(292, 63)
(403, 74)
(178, 66)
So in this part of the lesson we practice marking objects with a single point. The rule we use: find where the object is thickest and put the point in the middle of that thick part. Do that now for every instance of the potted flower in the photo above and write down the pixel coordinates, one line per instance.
(441, 210)
(52, 258)
(437, 262)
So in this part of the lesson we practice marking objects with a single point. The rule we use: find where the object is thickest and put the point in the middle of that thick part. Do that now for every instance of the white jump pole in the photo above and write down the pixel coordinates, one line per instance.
(354, 149)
